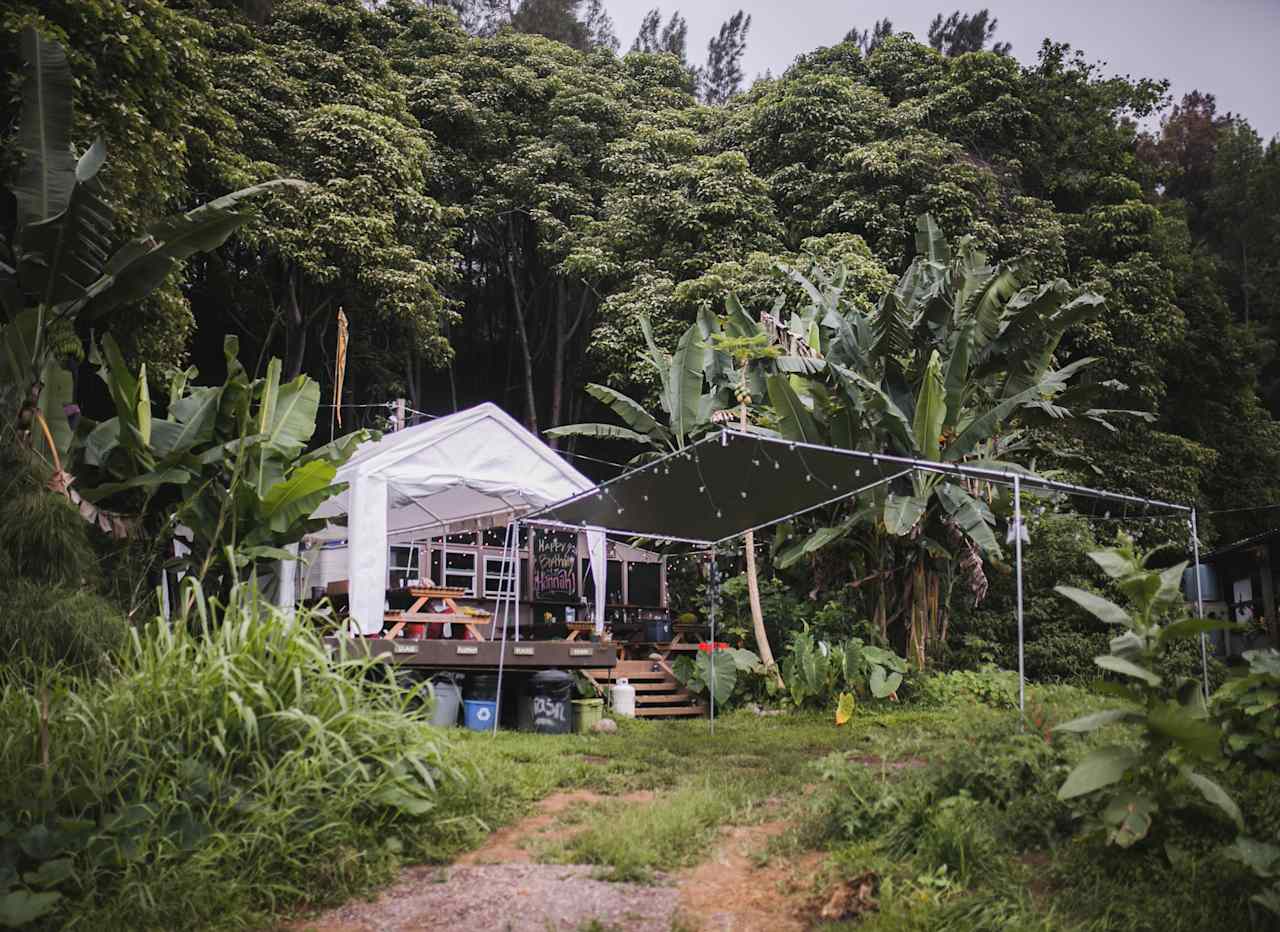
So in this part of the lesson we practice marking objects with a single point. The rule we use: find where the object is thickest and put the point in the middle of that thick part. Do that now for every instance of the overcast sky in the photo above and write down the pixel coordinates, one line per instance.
(1230, 48)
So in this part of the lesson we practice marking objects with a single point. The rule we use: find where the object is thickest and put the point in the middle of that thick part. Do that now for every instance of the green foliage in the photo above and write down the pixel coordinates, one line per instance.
(215, 775)
(987, 685)
(45, 625)
(1170, 717)
(228, 464)
(817, 672)
(62, 269)
(1248, 708)
(729, 675)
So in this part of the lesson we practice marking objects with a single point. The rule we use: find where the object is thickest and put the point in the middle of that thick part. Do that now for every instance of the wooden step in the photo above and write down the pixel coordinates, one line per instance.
(668, 697)
(660, 686)
(688, 711)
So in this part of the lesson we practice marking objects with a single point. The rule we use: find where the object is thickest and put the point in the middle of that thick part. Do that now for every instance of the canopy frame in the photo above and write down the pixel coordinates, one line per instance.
(1017, 479)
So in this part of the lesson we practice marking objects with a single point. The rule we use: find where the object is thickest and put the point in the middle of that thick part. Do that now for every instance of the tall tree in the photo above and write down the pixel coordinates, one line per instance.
(721, 78)
(868, 40)
(1232, 210)
(654, 36)
(1184, 153)
(580, 24)
(961, 33)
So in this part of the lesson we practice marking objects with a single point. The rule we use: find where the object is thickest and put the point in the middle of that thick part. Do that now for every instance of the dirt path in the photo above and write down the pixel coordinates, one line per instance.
(497, 887)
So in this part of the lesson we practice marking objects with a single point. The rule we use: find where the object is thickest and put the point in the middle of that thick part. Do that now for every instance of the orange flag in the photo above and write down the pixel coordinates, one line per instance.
(341, 371)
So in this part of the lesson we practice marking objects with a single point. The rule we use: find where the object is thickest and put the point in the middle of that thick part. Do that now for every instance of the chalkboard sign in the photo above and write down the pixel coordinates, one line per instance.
(555, 564)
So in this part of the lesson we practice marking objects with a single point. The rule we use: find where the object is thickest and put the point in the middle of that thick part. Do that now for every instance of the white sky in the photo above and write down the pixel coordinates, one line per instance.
(1230, 48)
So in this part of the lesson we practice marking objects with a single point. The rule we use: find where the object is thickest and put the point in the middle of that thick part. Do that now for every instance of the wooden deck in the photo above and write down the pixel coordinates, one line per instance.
(478, 655)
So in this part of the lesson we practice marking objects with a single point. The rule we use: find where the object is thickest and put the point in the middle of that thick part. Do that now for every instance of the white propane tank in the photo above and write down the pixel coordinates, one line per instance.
(623, 699)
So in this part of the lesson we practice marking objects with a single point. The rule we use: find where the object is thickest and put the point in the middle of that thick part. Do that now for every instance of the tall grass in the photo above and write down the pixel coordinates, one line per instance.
(220, 774)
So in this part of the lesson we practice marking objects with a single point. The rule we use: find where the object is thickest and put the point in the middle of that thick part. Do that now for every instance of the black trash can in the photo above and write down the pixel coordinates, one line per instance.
(481, 686)
(545, 706)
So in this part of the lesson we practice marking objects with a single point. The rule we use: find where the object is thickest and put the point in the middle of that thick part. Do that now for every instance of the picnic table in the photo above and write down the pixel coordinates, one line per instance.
(416, 613)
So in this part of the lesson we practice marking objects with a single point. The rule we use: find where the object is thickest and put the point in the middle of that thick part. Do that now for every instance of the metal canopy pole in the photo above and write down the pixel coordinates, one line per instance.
(1017, 551)
(1204, 638)
(714, 580)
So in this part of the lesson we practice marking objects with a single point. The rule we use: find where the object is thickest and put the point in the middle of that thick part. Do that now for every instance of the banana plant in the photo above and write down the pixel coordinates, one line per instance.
(58, 267)
(687, 409)
(957, 357)
(227, 465)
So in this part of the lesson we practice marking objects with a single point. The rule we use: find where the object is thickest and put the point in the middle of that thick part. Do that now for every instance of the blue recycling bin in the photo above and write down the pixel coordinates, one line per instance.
(479, 713)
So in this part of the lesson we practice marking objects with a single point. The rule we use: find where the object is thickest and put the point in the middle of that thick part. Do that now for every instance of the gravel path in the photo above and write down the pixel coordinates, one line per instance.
(503, 898)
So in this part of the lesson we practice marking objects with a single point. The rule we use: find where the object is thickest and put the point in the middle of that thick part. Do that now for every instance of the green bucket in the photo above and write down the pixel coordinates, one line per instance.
(586, 712)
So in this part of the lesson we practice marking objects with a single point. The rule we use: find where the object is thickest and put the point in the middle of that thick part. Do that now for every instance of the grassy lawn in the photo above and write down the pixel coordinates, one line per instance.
(952, 808)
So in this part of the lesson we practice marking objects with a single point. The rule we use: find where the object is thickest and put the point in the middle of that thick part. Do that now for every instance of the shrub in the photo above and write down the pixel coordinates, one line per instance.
(215, 775)
(1060, 640)
(987, 685)
(45, 626)
(1247, 707)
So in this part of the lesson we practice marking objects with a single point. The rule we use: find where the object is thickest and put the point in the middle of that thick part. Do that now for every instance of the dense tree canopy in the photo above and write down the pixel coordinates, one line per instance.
(500, 196)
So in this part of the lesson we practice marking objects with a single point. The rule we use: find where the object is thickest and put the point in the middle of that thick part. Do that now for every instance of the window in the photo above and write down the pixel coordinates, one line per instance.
(460, 571)
(613, 583)
(497, 577)
(642, 584)
(402, 565)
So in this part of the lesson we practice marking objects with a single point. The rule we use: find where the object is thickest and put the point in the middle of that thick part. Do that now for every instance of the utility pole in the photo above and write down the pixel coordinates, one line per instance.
(399, 414)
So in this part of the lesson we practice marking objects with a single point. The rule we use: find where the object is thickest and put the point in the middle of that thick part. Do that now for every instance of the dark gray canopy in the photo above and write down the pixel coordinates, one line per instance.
(733, 481)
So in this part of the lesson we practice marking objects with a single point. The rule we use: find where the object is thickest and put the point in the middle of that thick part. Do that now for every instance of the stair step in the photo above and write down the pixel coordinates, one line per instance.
(688, 711)
(669, 697)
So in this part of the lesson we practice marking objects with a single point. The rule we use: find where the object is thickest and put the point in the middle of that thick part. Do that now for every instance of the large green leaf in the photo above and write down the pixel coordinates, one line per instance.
(306, 489)
(738, 322)
(882, 683)
(22, 907)
(55, 395)
(970, 515)
(716, 365)
(631, 412)
(1127, 668)
(902, 512)
(137, 268)
(196, 414)
(1186, 727)
(47, 167)
(930, 240)
(720, 676)
(18, 350)
(685, 386)
(1103, 609)
(146, 480)
(890, 417)
(1096, 720)
(603, 431)
(1215, 794)
(982, 427)
(1103, 767)
(60, 257)
(293, 417)
(657, 357)
(956, 380)
(795, 421)
(931, 410)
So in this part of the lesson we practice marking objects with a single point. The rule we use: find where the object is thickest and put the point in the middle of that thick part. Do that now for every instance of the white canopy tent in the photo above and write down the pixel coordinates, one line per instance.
(468, 471)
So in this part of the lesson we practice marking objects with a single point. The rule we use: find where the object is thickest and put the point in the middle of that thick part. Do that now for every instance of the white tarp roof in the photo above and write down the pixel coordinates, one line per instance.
(471, 470)
(467, 471)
